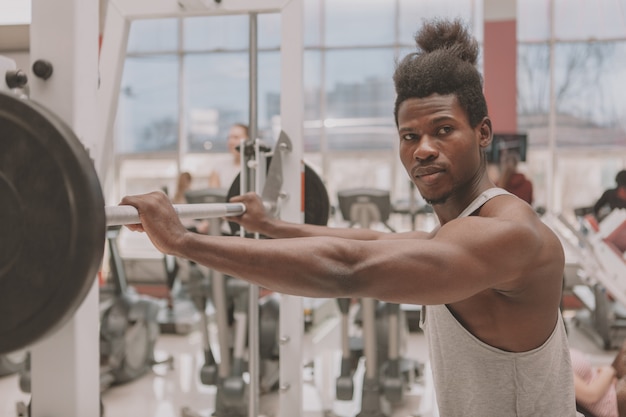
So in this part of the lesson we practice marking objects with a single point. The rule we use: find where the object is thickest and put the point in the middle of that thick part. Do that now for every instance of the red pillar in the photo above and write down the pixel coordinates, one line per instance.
(500, 63)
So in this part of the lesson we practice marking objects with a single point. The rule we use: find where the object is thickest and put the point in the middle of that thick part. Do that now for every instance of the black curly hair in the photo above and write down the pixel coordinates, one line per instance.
(445, 63)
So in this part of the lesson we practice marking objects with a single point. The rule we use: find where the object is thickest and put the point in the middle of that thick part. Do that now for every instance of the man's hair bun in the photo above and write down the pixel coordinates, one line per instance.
(451, 36)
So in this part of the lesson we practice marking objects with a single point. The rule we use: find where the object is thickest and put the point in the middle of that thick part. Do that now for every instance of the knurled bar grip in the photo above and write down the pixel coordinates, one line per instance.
(120, 215)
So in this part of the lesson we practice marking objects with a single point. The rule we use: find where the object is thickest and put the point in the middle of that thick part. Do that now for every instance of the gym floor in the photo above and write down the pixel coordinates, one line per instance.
(166, 391)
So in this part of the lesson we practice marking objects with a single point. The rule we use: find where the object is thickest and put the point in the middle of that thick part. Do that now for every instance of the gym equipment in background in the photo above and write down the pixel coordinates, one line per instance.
(365, 206)
(128, 328)
(316, 201)
(230, 296)
(410, 207)
(386, 372)
(184, 283)
(11, 363)
(596, 278)
(59, 87)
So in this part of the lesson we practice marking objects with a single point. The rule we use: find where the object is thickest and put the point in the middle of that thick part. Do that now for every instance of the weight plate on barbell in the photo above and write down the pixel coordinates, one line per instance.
(52, 223)
(316, 201)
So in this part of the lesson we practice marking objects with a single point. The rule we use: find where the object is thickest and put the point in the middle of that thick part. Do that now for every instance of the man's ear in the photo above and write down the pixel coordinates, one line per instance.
(485, 132)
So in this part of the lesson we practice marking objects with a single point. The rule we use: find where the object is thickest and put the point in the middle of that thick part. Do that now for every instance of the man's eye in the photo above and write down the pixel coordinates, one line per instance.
(444, 130)
(409, 136)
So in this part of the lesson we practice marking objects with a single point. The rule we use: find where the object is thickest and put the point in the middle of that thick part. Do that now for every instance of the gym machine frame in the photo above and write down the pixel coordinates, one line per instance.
(65, 374)
(65, 366)
(598, 250)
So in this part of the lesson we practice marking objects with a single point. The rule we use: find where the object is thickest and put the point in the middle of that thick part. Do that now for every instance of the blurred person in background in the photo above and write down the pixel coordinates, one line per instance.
(612, 198)
(513, 181)
(224, 175)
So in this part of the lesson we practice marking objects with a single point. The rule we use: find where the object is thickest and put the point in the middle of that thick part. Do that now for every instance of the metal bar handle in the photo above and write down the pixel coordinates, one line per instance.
(120, 215)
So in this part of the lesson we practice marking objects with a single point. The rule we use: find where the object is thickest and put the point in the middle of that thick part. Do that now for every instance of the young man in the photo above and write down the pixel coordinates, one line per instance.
(490, 276)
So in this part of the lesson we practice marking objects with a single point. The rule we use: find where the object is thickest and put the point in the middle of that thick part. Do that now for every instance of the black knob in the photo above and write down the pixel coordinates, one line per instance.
(16, 79)
(42, 69)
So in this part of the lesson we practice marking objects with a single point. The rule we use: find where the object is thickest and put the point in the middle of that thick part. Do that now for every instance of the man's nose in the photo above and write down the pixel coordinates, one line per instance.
(425, 149)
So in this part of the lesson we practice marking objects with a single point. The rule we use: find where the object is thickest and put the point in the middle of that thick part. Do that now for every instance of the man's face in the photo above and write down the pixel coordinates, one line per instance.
(438, 148)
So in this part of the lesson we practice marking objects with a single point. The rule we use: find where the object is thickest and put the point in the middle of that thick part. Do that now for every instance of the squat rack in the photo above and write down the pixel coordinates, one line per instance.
(83, 90)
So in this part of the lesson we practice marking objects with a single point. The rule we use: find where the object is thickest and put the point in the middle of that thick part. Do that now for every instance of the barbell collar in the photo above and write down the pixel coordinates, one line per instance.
(124, 214)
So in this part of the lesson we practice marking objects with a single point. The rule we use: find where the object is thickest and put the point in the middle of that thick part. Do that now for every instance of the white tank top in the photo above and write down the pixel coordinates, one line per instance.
(474, 379)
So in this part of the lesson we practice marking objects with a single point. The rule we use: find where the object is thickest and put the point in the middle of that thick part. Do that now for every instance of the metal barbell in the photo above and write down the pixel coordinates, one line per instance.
(121, 215)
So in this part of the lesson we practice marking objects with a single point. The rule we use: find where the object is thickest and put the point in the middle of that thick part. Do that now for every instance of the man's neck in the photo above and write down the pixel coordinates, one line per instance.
(460, 199)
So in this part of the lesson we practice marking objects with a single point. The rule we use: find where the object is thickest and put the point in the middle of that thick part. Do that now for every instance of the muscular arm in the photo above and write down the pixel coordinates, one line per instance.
(402, 271)
(466, 256)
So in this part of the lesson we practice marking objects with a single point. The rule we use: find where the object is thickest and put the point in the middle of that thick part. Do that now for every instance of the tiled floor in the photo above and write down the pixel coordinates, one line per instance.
(165, 392)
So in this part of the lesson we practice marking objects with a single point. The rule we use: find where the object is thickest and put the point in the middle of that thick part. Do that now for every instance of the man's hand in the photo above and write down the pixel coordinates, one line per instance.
(255, 219)
(158, 220)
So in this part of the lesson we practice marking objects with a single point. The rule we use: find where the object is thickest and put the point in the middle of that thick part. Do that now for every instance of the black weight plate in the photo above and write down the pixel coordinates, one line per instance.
(316, 201)
(52, 223)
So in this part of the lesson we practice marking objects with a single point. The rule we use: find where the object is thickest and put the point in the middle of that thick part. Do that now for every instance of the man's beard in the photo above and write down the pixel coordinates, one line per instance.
(440, 200)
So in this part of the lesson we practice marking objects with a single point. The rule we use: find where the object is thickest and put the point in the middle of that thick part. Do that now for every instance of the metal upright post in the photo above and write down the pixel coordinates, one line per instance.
(64, 44)
(253, 309)
(291, 327)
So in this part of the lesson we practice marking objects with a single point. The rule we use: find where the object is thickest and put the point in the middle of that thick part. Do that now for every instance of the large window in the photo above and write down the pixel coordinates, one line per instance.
(148, 105)
(600, 19)
(350, 47)
(186, 80)
(412, 13)
(216, 95)
(359, 99)
(570, 76)
(161, 111)
(359, 22)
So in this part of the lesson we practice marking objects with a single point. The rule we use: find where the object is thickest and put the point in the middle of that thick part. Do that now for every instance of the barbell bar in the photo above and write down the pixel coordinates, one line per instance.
(121, 215)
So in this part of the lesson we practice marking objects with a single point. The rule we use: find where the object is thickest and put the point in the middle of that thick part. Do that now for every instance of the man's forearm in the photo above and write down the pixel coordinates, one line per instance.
(281, 265)
(279, 229)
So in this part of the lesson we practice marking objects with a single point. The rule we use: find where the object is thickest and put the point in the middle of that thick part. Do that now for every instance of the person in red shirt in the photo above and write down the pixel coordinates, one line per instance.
(513, 181)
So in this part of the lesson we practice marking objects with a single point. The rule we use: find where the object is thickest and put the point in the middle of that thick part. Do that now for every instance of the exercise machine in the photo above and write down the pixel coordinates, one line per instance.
(421, 215)
(65, 337)
(387, 373)
(364, 207)
(12, 363)
(229, 297)
(181, 313)
(232, 298)
(178, 314)
(595, 268)
(129, 328)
